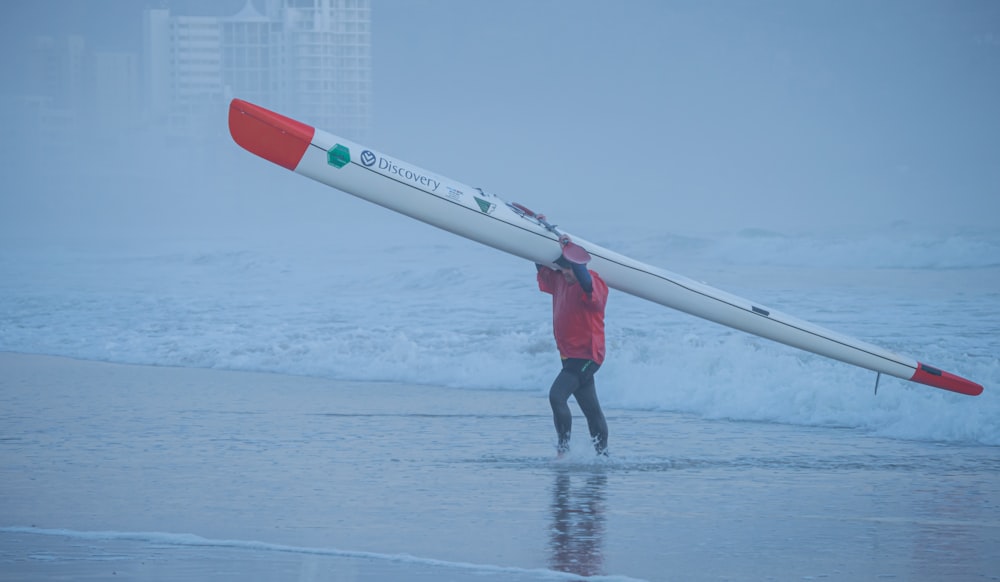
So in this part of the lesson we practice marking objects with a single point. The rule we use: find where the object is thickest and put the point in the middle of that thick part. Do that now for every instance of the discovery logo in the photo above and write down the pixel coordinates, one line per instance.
(392, 170)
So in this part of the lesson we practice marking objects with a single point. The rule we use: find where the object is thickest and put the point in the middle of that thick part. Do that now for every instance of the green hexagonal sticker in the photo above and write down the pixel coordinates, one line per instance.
(338, 156)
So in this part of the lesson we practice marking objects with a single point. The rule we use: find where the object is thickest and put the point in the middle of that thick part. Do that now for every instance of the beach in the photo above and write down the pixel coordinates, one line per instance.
(214, 369)
(117, 471)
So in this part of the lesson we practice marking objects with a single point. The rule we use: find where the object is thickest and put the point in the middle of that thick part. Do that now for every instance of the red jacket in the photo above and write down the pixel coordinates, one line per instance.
(577, 316)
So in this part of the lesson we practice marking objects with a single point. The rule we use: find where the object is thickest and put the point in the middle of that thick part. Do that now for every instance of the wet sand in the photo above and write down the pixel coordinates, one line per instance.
(117, 472)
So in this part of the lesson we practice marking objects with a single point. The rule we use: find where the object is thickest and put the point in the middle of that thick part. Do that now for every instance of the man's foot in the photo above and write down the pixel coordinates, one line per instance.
(562, 450)
(600, 445)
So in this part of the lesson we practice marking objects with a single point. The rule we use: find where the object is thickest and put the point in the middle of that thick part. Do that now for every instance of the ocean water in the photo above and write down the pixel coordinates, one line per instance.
(440, 310)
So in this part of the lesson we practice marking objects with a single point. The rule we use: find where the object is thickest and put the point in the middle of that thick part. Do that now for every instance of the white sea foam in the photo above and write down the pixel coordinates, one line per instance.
(449, 312)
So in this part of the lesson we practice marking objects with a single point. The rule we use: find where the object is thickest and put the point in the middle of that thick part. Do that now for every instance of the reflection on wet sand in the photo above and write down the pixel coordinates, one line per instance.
(577, 533)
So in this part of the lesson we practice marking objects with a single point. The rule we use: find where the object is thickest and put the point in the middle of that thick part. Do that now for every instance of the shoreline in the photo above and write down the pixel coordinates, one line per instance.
(266, 476)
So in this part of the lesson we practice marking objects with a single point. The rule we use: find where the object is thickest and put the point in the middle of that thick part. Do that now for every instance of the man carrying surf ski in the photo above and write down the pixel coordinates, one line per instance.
(579, 297)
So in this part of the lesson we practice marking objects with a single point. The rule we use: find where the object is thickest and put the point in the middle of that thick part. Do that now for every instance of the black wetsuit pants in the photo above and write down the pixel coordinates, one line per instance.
(577, 379)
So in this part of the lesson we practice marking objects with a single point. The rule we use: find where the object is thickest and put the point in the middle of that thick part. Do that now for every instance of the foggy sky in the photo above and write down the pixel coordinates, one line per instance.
(682, 116)
(716, 114)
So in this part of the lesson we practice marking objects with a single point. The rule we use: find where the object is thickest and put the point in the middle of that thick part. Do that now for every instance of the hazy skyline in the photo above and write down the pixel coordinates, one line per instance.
(680, 116)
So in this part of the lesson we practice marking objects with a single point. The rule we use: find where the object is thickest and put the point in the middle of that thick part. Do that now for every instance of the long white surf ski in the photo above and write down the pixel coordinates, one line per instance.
(484, 217)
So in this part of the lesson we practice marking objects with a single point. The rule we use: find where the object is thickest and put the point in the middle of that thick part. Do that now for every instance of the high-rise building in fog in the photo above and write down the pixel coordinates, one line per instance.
(117, 104)
(307, 58)
(57, 88)
(57, 69)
